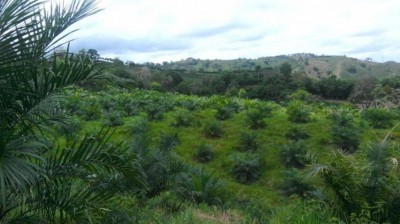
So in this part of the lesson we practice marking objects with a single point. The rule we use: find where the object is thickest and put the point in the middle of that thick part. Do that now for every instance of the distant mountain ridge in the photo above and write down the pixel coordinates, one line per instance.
(310, 64)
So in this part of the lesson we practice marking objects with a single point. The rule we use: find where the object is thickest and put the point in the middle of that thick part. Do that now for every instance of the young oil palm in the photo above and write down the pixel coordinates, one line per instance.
(365, 185)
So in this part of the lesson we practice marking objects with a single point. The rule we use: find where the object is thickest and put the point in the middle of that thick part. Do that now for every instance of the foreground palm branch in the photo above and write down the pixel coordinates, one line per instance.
(37, 180)
(355, 188)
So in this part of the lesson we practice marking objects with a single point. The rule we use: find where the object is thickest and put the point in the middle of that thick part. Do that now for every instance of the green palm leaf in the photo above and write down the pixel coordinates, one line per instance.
(37, 183)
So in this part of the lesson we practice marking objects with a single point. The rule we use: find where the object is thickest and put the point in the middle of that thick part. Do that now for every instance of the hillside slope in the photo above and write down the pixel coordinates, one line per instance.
(310, 64)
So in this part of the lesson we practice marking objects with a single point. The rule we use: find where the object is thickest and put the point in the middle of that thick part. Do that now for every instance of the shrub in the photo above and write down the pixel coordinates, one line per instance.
(91, 111)
(190, 104)
(108, 104)
(117, 216)
(235, 105)
(155, 86)
(204, 153)
(256, 212)
(298, 112)
(212, 129)
(140, 126)
(342, 117)
(246, 167)
(168, 140)
(224, 113)
(346, 137)
(127, 105)
(168, 201)
(345, 134)
(297, 133)
(293, 154)
(130, 109)
(379, 118)
(183, 118)
(200, 187)
(265, 109)
(72, 103)
(114, 119)
(255, 119)
(160, 165)
(293, 184)
(248, 141)
(154, 111)
(300, 95)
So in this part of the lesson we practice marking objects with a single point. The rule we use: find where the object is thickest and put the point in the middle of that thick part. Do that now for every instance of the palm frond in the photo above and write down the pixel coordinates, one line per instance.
(17, 167)
(77, 180)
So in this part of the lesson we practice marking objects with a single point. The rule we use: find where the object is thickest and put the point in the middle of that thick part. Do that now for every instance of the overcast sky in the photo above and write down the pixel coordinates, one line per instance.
(170, 30)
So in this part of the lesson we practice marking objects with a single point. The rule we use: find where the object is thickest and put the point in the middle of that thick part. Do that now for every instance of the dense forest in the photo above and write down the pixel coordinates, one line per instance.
(287, 139)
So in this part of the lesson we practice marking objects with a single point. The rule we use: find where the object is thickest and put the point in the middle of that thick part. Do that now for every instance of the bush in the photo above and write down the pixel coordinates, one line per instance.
(127, 105)
(204, 153)
(255, 212)
(108, 104)
(183, 118)
(168, 140)
(255, 119)
(117, 216)
(248, 141)
(345, 134)
(155, 86)
(72, 103)
(190, 104)
(297, 133)
(293, 154)
(379, 118)
(212, 129)
(140, 126)
(154, 111)
(265, 109)
(91, 111)
(114, 119)
(200, 187)
(293, 184)
(301, 95)
(342, 117)
(246, 167)
(224, 113)
(298, 112)
(346, 137)
(168, 201)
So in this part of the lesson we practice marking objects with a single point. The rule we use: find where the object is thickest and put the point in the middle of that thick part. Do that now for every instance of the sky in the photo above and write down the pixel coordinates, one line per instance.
(172, 30)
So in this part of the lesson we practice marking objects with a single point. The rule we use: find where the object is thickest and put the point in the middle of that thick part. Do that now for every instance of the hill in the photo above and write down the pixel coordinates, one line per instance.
(309, 64)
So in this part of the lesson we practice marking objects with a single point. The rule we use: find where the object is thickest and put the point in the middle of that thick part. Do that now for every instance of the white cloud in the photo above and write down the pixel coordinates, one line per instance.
(161, 30)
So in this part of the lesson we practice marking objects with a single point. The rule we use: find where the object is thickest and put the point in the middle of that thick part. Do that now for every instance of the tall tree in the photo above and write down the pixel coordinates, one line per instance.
(363, 91)
(93, 53)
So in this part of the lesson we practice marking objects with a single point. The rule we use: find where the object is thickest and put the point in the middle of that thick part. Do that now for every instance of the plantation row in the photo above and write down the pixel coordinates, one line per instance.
(221, 150)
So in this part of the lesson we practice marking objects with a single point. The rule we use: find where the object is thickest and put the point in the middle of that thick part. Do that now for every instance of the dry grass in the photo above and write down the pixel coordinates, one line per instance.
(226, 217)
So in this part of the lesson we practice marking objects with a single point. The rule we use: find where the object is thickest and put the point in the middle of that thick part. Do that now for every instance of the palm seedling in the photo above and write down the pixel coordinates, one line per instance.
(204, 153)
(246, 167)
(212, 129)
(248, 141)
(293, 154)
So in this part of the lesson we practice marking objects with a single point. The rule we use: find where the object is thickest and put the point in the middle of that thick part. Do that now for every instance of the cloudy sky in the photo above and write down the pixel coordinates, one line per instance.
(170, 30)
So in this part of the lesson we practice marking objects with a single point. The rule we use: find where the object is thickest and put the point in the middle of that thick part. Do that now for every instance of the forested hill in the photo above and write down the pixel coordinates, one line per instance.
(267, 78)
(310, 64)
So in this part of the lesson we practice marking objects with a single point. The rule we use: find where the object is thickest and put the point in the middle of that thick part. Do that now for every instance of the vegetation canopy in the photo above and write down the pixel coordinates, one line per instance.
(286, 139)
